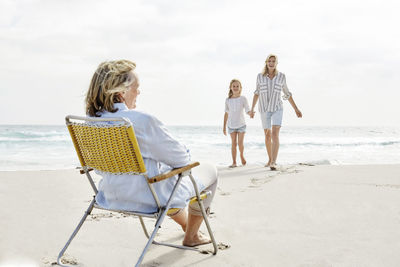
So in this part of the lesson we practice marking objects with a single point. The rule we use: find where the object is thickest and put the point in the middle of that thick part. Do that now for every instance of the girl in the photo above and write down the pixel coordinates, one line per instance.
(270, 85)
(234, 105)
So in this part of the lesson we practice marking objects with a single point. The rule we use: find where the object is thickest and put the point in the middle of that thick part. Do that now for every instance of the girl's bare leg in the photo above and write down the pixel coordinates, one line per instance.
(234, 136)
(241, 147)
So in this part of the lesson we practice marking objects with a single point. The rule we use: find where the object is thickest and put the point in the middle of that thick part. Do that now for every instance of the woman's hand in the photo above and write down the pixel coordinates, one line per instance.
(224, 130)
(298, 113)
(251, 113)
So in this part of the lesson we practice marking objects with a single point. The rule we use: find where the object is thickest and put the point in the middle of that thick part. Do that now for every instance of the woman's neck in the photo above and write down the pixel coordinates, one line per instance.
(271, 73)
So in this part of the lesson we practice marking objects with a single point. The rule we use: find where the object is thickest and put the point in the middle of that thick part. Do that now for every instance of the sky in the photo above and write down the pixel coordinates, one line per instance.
(341, 58)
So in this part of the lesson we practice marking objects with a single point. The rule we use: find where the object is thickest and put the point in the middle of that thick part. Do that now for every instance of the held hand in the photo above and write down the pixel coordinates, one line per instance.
(251, 114)
(298, 113)
(224, 131)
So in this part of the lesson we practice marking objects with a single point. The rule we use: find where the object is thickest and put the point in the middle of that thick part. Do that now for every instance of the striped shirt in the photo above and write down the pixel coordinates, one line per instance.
(269, 92)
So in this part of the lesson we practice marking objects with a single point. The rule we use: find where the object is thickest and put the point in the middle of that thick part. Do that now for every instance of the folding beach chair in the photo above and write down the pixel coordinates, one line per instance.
(109, 145)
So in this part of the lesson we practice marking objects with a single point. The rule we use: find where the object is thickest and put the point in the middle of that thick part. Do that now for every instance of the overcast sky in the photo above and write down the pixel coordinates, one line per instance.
(341, 58)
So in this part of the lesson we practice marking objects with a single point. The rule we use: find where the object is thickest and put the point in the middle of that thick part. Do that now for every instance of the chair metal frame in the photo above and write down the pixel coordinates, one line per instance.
(138, 169)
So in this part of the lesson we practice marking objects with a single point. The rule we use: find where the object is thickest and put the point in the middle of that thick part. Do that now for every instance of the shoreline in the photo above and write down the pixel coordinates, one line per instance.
(219, 167)
(324, 215)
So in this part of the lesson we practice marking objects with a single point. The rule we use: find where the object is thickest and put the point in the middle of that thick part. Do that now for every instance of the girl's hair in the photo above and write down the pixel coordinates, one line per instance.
(230, 94)
(110, 79)
(265, 70)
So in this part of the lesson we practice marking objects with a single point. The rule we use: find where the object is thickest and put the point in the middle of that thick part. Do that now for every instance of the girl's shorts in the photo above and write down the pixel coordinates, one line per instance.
(239, 130)
(271, 118)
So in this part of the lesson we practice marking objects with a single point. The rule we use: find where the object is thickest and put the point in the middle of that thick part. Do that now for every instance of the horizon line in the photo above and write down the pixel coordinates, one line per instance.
(215, 125)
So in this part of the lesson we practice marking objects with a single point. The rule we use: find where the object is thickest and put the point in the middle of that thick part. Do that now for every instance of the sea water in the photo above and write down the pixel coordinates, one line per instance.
(28, 147)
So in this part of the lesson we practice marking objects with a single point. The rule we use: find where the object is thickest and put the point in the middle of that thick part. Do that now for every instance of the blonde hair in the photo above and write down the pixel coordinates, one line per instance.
(265, 70)
(230, 94)
(110, 79)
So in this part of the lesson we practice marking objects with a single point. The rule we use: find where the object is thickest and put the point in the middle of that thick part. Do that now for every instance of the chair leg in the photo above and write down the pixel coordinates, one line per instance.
(203, 212)
(146, 233)
(153, 235)
(87, 212)
(163, 243)
(162, 214)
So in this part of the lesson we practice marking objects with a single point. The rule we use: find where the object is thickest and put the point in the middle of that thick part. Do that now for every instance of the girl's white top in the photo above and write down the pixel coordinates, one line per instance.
(269, 92)
(234, 107)
(161, 153)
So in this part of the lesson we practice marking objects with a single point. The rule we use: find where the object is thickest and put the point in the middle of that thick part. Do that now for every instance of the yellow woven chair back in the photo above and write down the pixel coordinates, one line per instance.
(108, 145)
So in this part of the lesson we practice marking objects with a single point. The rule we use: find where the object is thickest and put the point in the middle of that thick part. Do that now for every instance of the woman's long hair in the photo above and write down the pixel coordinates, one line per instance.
(110, 79)
(265, 70)
(230, 94)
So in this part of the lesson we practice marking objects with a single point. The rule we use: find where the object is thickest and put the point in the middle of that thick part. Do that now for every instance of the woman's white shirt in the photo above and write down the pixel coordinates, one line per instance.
(160, 152)
(269, 92)
(234, 106)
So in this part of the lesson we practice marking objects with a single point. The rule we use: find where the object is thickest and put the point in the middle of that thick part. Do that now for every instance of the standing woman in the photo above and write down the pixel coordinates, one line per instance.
(270, 85)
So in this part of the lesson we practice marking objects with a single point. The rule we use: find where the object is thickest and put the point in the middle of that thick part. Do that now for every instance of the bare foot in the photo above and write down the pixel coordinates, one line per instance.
(197, 240)
(273, 167)
(233, 165)
(243, 161)
(268, 164)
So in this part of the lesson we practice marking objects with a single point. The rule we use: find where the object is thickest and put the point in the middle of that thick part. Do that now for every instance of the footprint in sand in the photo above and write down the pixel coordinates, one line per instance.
(67, 259)
(396, 186)
(98, 216)
(153, 264)
(259, 181)
(286, 170)
(220, 246)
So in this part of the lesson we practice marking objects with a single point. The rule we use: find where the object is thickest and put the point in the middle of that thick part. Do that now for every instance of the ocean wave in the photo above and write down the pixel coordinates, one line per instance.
(318, 162)
(66, 140)
(8, 136)
(313, 144)
(52, 139)
(344, 144)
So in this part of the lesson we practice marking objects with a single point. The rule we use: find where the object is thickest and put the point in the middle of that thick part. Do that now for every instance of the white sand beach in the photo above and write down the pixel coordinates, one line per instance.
(297, 216)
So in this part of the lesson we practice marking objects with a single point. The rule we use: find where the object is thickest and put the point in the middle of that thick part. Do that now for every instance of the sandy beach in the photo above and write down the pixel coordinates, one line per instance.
(298, 216)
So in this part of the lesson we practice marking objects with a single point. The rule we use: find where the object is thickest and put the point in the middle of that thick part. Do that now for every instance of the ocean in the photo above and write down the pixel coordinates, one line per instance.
(28, 147)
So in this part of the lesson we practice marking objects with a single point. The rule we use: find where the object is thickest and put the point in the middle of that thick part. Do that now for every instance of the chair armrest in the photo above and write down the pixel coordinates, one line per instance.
(203, 196)
(83, 172)
(171, 173)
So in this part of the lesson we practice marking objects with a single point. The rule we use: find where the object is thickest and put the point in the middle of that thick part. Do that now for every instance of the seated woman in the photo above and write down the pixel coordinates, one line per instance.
(112, 93)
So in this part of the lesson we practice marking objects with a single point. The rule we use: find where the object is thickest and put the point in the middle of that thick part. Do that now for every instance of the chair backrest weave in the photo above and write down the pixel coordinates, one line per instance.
(108, 145)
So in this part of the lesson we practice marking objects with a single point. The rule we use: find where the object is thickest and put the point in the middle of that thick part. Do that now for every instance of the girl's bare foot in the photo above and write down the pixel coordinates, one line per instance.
(243, 161)
(268, 164)
(233, 165)
(197, 240)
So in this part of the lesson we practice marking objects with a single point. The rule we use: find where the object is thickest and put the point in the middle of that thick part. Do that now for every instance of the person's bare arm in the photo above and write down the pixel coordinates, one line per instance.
(255, 99)
(296, 109)
(225, 120)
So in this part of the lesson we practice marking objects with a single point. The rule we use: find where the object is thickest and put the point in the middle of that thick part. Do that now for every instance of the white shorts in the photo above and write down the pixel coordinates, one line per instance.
(271, 118)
